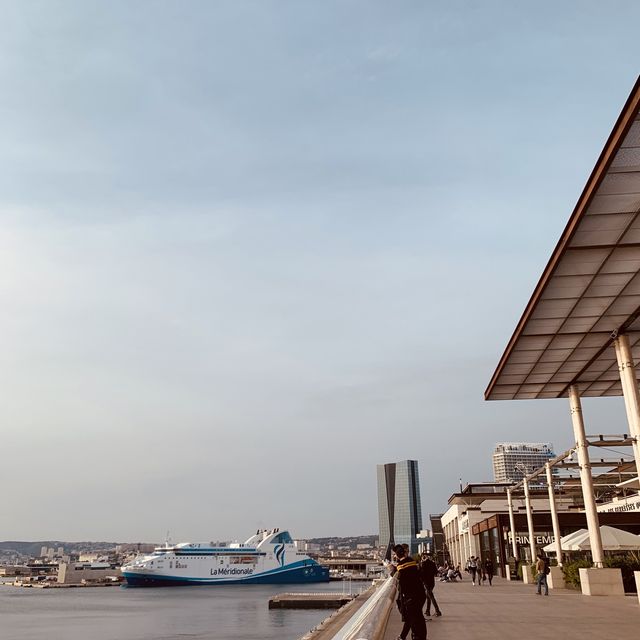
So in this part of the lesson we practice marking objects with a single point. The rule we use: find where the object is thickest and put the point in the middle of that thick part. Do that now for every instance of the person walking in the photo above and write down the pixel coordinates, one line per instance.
(488, 569)
(473, 568)
(543, 568)
(481, 574)
(412, 595)
(428, 572)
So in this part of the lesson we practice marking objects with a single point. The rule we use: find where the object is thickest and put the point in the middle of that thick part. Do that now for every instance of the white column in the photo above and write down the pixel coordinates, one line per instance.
(554, 513)
(463, 542)
(582, 449)
(630, 391)
(512, 525)
(527, 500)
(452, 544)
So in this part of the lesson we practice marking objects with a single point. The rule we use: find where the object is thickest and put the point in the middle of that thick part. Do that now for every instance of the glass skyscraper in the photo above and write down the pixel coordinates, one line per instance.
(399, 507)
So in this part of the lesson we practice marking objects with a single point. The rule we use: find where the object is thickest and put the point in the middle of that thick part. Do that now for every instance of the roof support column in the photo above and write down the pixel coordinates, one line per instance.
(630, 391)
(582, 449)
(554, 514)
(452, 546)
(512, 525)
(472, 542)
(527, 501)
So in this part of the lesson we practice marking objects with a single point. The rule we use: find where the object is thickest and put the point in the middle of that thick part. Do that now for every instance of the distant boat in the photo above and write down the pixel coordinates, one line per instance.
(268, 557)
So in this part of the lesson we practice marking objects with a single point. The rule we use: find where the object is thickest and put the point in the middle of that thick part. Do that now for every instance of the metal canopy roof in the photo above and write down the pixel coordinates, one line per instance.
(589, 290)
(609, 479)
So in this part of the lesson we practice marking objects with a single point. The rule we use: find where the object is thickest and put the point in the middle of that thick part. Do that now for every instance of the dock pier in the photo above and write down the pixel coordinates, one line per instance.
(310, 600)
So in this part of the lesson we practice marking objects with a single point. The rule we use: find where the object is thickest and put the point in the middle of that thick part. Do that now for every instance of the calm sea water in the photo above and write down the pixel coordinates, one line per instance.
(169, 613)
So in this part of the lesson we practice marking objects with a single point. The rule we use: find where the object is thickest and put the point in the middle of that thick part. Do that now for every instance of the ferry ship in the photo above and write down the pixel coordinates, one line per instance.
(268, 557)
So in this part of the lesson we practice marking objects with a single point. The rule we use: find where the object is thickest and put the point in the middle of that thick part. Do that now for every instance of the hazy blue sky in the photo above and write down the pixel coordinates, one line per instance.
(249, 250)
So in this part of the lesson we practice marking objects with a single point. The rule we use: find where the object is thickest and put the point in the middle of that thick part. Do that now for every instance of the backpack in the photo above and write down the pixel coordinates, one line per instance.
(547, 567)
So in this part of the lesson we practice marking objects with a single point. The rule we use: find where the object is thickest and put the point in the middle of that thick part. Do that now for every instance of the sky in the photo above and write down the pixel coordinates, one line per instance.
(249, 250)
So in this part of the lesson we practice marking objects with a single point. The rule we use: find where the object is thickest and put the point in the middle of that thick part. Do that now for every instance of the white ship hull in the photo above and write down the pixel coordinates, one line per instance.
(266, 558)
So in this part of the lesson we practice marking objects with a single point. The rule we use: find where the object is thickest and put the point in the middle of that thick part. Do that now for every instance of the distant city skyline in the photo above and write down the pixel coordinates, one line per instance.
(248, 250)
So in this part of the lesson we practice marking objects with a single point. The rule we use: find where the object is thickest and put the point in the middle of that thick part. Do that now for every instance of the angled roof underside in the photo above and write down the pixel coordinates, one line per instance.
(589, 289)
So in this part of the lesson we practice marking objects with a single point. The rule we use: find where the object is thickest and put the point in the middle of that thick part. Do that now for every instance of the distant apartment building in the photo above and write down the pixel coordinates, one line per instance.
(438, 547)
(48, 552)
(512, 460)
(399, 506)
(308, 547)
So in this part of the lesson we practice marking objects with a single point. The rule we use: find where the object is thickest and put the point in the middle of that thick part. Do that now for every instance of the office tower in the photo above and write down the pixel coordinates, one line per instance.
(511, 460)
(399, 507)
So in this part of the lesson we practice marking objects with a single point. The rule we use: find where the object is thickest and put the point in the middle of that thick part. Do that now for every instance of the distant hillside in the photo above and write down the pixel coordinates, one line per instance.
(33, 548)
(26, 548)
(349, 541)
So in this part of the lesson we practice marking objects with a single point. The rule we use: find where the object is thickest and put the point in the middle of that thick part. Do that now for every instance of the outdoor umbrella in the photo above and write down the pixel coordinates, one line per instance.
(612, 540)
(565, 541)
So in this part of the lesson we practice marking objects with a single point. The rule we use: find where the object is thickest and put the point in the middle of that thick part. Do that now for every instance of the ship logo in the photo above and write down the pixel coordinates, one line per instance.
(279, 551)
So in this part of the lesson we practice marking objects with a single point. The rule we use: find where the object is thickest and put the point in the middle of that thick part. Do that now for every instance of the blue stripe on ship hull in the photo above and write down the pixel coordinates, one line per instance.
(299, 575)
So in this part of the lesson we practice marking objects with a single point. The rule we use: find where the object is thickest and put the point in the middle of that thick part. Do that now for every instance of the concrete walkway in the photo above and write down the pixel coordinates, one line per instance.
(512, 611)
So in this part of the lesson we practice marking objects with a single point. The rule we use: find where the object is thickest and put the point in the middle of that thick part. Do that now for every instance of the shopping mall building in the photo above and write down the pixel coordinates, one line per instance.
(477, 522)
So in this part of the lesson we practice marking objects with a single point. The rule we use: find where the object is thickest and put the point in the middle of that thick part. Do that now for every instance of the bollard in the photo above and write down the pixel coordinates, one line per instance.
(556, 578)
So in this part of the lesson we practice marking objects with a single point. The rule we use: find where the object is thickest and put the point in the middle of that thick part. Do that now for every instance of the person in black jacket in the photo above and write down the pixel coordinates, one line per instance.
(428, 572)
(488, 569)
(412, 595)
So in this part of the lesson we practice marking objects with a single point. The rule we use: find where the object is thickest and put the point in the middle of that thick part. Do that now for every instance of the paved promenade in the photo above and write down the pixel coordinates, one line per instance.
(512, 611)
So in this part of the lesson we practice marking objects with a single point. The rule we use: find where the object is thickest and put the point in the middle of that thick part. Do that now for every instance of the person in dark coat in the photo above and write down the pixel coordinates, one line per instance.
(412, 595)
(488, 569)
(482, 576)
(428, 572)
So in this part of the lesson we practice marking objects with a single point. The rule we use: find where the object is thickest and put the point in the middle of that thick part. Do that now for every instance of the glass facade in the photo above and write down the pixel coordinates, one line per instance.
(399, 506)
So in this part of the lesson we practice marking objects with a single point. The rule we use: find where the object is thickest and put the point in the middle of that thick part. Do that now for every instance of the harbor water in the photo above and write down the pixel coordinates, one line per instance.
(170, 613)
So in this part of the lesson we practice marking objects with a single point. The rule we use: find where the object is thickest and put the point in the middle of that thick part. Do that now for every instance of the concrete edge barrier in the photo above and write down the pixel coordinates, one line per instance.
(326, 629)
(370, 621)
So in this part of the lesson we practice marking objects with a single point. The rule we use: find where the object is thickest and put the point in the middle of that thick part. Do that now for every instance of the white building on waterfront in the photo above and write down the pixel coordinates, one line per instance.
(512, 460)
